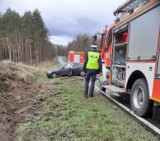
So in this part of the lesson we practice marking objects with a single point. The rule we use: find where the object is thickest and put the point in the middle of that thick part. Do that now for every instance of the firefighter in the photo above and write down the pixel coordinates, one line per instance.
(92, 67)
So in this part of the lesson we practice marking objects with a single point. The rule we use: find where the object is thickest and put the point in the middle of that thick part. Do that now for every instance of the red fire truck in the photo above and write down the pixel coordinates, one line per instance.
(130, 52)
(76, 57)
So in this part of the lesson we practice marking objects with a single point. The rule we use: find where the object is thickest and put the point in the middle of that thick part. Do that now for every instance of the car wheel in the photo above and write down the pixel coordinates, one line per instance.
(140, 102)
(82, 73)
(54, 75)
(49, 75)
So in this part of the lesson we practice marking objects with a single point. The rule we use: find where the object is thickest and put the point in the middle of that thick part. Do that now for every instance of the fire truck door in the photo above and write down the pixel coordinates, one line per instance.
(76, 58)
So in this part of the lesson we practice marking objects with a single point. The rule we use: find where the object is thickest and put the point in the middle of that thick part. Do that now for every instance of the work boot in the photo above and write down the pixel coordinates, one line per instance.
(86, 96)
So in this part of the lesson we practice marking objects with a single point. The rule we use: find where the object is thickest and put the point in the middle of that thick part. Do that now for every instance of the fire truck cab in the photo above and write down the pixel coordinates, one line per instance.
(130, 52)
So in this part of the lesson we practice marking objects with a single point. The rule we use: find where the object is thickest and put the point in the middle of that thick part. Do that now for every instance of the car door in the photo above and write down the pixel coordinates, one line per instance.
(75, 68)
(65, 70)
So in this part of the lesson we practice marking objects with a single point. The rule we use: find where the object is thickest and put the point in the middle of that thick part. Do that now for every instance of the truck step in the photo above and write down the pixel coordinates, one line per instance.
(114, 88)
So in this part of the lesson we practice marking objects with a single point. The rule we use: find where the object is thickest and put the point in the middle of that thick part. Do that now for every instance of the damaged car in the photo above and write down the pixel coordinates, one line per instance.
(69, 69)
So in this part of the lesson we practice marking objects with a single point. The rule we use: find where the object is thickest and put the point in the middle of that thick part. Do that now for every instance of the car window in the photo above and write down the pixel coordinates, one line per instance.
(69, 65)
(77, 65)
(66, 66)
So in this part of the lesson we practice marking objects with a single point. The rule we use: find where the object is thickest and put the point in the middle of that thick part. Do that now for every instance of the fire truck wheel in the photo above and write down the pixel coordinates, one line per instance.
(54, 75)
(140, 102)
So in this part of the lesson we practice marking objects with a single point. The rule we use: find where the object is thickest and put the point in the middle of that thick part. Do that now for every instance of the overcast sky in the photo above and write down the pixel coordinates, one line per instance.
(67, 18)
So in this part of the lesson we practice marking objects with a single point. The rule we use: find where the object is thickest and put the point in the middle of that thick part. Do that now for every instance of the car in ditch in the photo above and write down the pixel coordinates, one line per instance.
(69, 69)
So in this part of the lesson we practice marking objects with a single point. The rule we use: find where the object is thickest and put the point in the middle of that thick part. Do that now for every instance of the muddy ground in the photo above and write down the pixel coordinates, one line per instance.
(17, 97)
(16, 105)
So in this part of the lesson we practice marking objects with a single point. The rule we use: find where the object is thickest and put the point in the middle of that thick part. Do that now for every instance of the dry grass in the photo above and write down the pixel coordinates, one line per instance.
(12, 73)
(17, 71)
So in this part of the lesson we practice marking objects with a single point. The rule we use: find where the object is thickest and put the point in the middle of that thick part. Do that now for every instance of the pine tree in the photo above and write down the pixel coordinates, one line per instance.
(24, 39)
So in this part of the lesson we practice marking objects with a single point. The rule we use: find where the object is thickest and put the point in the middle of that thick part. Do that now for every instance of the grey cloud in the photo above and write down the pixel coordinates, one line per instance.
(70, 17)
(79, 25)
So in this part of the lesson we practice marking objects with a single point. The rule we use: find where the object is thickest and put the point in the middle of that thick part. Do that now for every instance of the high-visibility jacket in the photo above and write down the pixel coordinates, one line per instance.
(92, 60)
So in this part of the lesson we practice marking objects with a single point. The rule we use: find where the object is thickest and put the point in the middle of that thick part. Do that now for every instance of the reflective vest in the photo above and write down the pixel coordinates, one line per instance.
(92, 60)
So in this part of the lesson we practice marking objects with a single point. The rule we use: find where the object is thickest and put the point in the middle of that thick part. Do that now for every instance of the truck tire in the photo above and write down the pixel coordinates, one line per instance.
(140, 102)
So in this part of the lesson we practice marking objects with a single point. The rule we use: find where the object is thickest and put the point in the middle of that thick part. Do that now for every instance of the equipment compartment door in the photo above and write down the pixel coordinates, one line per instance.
(144, 35)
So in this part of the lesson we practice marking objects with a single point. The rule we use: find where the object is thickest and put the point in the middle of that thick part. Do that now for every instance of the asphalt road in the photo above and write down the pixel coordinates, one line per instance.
(61, 61)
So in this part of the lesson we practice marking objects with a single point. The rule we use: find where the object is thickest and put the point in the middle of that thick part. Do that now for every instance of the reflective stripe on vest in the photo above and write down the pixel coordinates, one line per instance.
(93, 60)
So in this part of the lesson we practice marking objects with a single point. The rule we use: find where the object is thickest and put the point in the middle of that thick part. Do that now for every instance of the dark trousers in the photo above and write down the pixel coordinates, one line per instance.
(92, 75)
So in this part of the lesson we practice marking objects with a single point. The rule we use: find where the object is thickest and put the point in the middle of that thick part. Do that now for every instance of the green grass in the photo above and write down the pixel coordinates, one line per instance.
(66, 115)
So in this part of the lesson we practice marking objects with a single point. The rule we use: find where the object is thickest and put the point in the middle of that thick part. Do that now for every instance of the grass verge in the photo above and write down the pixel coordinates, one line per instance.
(64, 114)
